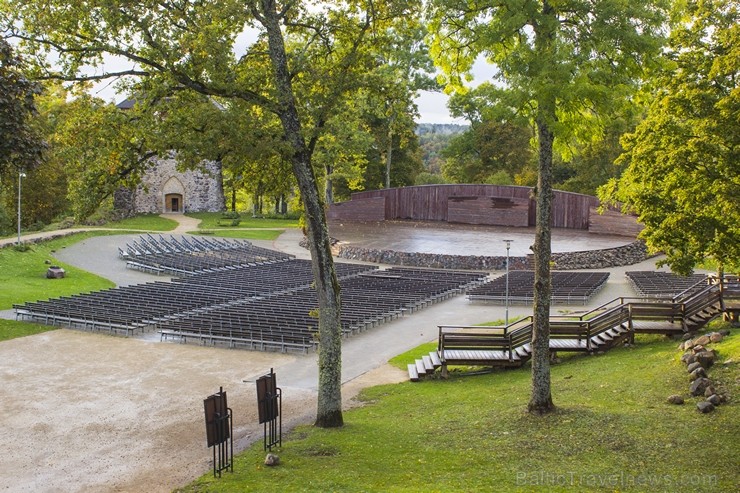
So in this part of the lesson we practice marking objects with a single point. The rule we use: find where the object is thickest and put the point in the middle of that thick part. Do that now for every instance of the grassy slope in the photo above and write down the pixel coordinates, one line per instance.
(613, 431)
(23, 274)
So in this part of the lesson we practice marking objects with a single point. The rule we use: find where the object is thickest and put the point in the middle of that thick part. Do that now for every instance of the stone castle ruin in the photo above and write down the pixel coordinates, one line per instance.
(166, 189)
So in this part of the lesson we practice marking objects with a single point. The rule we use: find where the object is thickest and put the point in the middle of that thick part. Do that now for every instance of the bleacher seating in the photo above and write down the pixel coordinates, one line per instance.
(568, 288)
(188, 255)
(663, 284)
(267, 306)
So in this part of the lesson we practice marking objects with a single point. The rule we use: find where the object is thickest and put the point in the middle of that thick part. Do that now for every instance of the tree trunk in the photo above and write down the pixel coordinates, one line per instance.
(389, 153)
(541, 399)
(329, 191)
(329, 411)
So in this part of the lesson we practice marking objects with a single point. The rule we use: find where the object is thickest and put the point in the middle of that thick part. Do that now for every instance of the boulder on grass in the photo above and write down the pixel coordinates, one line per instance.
(698, 373)
(702, 340)
(705, 407)
(714, 399)
(55, 272)
(706, 359)
(675, 399)
(698, 386)
(693, 366)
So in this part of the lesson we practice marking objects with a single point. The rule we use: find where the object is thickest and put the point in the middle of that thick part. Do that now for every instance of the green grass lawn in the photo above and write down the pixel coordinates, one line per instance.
(613, 431)
(147, 222)
(23, 274)
(242, 234)
(209, 220)
(10, 329)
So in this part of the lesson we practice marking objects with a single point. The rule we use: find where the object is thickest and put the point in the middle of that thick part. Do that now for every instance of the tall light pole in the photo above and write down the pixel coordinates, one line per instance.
(21, 175)
(508, 246)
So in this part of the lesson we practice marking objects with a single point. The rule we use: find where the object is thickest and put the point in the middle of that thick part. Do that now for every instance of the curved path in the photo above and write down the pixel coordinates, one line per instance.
(93, 412)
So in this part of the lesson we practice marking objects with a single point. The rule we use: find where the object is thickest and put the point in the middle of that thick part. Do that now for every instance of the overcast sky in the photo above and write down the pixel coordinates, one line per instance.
(432, 105)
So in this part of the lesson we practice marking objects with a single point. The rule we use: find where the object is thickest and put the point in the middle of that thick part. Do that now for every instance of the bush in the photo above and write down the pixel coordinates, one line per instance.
(229, 218)
(230, 215)
(6, 222)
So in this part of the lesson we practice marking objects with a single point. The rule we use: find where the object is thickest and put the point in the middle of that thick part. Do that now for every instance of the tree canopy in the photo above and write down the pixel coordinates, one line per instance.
(683, 160)
(20, 144)
(563, 66)
(306, 57)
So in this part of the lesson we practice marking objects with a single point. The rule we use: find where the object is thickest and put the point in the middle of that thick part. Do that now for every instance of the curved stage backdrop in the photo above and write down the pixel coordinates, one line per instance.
(495, 205)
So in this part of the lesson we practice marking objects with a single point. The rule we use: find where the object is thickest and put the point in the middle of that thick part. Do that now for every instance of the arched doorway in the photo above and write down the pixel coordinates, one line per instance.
(173, 202)
(174, 195)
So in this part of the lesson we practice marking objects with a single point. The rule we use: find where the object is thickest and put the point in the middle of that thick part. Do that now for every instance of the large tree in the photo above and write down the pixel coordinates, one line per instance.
(683, 160)
(564, 65)
(316, 53)
(20, 143)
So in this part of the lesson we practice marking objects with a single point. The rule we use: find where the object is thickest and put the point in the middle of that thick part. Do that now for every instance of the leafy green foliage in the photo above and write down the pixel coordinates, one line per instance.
(20, 144)
(101, 149)
(683, 160)
(433, 139)
(564, 67)
(488, 152)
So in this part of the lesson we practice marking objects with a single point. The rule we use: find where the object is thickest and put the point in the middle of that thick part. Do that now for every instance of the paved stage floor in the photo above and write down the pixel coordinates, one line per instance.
(464, 239)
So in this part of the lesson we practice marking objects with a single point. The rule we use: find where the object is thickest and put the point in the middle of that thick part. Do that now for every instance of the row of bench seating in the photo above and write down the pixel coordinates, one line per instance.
(662, 284)
(189, 254)
(273, 303)
(368, 299)
(567, 287)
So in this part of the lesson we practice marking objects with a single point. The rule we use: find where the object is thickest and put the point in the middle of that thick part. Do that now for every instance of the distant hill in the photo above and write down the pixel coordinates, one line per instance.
(433, 137)
(440, 128)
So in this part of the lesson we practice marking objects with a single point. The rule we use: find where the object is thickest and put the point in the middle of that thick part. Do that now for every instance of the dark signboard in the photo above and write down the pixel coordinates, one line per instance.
(217, 419)
(267, 403)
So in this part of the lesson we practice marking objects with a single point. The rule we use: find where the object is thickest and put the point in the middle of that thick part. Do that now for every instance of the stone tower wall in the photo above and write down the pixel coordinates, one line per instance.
(202, 190)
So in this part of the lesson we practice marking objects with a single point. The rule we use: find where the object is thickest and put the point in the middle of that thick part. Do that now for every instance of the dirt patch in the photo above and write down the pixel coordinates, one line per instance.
(93, 413)
(89, 412)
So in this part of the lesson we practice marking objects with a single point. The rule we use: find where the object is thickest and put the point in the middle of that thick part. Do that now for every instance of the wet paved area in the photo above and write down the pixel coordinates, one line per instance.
(464, 239)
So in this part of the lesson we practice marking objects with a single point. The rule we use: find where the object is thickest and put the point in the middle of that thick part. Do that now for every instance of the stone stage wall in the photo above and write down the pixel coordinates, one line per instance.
(629, 254)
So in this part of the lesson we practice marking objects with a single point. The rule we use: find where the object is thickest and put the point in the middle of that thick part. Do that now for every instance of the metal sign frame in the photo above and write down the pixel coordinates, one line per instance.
(270, 409)
(219, 431)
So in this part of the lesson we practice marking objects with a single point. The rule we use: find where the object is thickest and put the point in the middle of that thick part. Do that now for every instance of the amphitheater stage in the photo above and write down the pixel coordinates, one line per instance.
(464, 239)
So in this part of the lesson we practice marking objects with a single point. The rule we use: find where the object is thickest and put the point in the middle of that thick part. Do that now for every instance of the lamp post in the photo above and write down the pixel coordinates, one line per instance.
(508, 246)
(21, 175)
